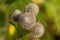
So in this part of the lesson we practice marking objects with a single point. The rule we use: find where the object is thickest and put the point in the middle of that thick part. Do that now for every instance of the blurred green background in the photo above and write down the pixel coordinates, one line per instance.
(49, 16)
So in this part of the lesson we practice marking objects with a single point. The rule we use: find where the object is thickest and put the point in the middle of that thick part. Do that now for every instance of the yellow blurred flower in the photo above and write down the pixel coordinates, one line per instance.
(38, 1)
(11, 30)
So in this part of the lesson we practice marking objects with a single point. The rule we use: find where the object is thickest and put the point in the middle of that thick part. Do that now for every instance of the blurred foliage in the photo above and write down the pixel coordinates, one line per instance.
(49, 12)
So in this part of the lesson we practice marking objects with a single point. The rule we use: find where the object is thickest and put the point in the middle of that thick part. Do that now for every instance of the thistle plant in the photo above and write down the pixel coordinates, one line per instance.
(29, 19)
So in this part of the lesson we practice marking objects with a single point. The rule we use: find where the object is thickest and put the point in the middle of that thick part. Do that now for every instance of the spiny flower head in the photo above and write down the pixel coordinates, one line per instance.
(37, 30)
(32, 8)
(27, 20)
(15, 15)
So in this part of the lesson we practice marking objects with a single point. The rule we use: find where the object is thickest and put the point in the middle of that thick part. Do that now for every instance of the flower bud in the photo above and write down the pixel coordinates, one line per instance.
(27, 20)
(15, 15)
(38, 30)
(32, 8)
